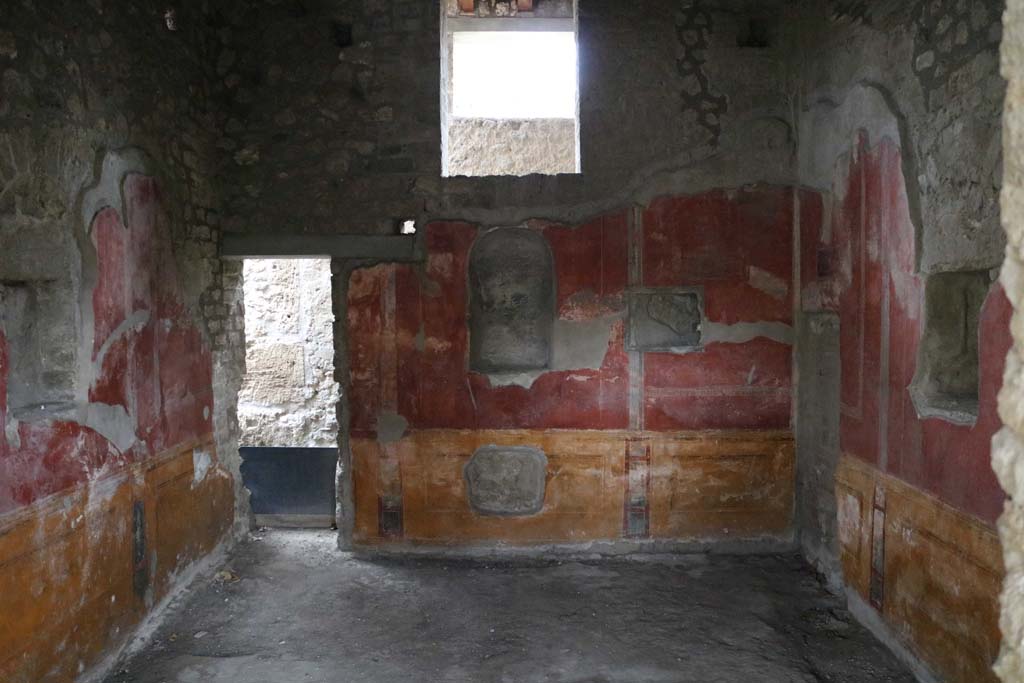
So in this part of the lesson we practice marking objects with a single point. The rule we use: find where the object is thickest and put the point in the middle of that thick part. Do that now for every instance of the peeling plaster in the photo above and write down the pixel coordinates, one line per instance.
(134, 322)
(833, 126)
(769, 283)
(202, 462)
(108, 190)
(575, 345)
(12, 433)
(113, 423)
(739, 333)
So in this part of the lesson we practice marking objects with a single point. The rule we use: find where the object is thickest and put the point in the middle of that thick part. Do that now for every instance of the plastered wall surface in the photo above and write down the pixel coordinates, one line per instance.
(937, 579)
(288, 396)
(116, 327)
(338, 108)
(110, 498)
(858, 261)
(880, 303)
(698, 442)
(72, 127)
(898, 136)
(741, 377)
(149, 373)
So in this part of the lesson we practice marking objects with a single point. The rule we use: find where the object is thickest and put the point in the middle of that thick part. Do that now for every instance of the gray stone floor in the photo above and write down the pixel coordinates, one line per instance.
(298, 610)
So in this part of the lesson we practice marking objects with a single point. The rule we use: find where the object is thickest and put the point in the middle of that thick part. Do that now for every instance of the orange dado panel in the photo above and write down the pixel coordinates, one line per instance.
(721, 485)
(937, 572)
(71, 583)
(700, 485)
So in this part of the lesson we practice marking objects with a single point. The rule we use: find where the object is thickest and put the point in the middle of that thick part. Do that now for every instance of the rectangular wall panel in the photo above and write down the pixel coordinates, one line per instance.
(67, 589)
(940, 571)
(716, 485)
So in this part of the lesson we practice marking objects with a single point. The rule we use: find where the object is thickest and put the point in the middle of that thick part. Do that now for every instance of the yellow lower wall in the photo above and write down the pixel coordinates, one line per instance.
(941, 570)
(71, 585)
(716, 485)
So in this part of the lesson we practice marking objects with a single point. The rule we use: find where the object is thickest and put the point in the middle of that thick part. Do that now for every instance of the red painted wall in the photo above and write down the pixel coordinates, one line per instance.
(159, 370)
(408, 337)
(723, 241)
(864, 270)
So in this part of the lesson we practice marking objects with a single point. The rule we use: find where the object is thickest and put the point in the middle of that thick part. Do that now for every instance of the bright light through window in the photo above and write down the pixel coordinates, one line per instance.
(514, 75)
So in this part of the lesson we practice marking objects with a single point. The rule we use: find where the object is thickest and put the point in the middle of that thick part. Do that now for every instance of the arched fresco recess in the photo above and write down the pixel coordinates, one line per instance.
(512, 306)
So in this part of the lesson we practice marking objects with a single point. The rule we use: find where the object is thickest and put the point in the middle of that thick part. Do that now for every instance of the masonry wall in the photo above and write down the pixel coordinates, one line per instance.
(898, 135)
(116, 469)
(337, 106)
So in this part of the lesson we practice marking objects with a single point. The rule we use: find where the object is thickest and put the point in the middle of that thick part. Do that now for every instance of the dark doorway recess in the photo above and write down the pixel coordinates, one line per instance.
(290, 487)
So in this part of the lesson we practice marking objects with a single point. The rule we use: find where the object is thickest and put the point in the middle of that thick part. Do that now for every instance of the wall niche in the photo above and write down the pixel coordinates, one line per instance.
(42, 353)
(512, 302)
(945, 384)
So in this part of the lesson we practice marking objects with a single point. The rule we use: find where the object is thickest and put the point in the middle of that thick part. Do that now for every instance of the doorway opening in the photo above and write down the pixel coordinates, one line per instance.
(287, 406)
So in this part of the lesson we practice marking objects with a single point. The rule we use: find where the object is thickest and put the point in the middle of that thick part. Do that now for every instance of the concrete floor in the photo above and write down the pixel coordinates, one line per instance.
(299, 610)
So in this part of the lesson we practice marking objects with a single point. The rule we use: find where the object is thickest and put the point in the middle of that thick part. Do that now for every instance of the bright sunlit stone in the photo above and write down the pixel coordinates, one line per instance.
(514, 75)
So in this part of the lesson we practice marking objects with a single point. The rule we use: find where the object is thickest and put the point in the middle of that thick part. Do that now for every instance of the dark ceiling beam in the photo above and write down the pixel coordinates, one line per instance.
(379, 247)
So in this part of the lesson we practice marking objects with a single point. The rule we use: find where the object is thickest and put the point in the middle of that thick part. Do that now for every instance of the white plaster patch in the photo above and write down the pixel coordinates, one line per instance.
(848, 514)
(436, 345)
(11, 432)
(202, 461)
(520, 379)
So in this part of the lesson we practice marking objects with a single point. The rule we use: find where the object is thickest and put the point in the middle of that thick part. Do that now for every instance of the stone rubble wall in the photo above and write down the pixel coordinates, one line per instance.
(288, 395)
